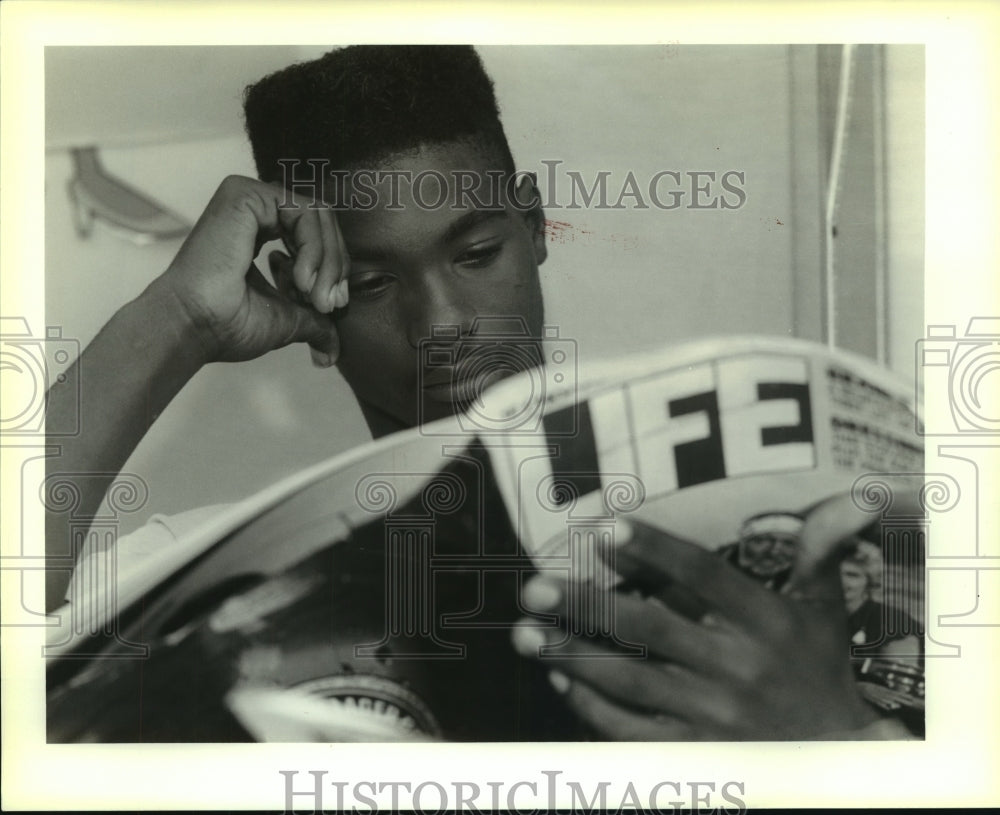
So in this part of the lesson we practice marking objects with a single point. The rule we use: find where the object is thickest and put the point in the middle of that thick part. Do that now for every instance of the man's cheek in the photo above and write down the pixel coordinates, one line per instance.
(358, 342)
(520, 294)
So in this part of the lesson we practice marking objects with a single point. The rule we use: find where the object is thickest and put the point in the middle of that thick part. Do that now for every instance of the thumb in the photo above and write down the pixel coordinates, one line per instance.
(830, 533)
(826, 538)
(319, 331)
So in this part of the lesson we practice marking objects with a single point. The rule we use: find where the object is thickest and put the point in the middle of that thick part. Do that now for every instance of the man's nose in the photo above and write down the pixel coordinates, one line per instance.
(437, 309)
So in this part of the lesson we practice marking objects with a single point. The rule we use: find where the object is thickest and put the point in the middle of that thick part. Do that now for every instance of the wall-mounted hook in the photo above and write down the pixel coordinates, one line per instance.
(95, 194)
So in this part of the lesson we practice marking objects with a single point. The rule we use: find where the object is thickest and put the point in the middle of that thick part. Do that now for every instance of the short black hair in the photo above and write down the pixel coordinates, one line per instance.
(357, 105)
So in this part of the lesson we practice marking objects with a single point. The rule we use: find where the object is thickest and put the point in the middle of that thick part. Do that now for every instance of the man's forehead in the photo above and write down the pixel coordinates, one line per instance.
(381, 234)
(431, 194)
(464, 161)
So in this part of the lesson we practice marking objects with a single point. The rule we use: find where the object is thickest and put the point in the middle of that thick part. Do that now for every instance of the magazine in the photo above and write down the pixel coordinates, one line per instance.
(371, 597)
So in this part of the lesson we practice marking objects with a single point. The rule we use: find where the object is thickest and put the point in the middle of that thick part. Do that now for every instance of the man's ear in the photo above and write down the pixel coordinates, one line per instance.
(530, 203)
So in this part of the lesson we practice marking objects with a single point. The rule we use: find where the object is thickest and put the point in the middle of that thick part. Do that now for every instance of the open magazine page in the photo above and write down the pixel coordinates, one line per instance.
(372, 597)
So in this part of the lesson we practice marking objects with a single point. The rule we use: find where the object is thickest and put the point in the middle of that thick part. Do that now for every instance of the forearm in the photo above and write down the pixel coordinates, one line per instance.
(210, 304)
(119, 385)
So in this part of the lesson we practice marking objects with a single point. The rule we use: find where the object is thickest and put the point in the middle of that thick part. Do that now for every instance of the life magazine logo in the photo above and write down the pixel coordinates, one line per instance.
(678, 428)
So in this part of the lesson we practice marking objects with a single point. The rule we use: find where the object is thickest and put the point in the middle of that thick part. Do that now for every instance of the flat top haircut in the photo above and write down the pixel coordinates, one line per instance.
(358, 105)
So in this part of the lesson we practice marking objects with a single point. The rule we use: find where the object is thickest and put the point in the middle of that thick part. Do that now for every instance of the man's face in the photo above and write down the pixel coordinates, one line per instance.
(766, 555)
(418, 266)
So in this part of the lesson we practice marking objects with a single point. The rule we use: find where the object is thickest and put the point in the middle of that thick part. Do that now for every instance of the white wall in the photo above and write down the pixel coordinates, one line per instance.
(126, 96)
(905, 148)
(626, 279)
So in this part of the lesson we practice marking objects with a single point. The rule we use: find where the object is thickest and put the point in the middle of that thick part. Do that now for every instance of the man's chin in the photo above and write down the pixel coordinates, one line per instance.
(434, 409)
(432, 403)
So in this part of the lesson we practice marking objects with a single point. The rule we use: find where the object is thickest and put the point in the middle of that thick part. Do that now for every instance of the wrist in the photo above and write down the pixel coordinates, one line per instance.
(179, 326)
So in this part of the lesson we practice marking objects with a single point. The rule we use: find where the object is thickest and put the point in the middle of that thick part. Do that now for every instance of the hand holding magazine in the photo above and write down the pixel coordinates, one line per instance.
(653, 551)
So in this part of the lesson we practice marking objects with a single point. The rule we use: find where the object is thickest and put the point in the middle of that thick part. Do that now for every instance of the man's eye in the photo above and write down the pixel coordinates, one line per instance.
(479, 256)
(368, 285)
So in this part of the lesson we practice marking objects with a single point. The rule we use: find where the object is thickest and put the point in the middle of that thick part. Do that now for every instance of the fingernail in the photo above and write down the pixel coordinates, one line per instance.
(321, 359)
(345, 290)
(541, 595)
(333, 297)
(528, 640)
(312, 279)
(559, 681)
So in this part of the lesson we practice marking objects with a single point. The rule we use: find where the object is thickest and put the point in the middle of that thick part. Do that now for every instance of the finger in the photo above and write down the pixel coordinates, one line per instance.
(325, 350)
(304, 240)
(650, 583)
(256, 280)
(281, 270)
(673, 595)
(343, 289)
(826, 537)
(635, 619)
(324, 291)
(297, 322)
(616, 721)
(829, 533)
(319, 331)
(672, 636)
(629, 680)
(653, 555)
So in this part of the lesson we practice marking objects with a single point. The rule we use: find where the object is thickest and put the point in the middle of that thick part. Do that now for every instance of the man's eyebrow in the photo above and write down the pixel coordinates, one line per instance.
(470, 220)
(374, 255)
(454, 230)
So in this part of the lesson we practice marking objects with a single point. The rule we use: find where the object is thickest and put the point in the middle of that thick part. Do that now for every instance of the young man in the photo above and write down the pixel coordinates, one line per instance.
(423, 223)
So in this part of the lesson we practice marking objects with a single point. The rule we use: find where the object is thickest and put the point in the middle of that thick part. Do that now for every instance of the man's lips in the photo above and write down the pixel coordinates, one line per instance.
(449, 385)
